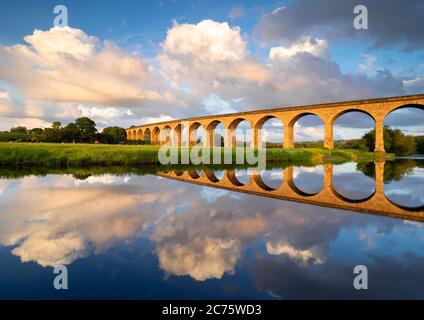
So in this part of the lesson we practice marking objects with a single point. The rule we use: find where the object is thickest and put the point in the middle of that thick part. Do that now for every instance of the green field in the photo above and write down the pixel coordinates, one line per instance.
(79, 155)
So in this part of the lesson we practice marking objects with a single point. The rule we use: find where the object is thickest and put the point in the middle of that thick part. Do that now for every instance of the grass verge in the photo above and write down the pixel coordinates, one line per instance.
(81, 155)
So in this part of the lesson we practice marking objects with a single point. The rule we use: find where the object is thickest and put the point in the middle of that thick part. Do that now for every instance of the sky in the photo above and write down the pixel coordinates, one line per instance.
(133, 62)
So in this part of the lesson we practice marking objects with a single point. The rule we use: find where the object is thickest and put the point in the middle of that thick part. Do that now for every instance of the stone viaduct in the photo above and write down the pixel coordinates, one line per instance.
(172, 131)
(376, 203)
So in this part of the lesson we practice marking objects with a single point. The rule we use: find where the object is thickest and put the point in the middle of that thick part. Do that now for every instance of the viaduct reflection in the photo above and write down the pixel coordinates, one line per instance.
(376, 203)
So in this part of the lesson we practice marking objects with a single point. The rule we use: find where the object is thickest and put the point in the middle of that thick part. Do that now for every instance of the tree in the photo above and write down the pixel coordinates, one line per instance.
(71, 133)
(420, 144)
(19, 129)
(114, 135)
(57, 125)
(87, 129)
(36, 131)
(394, 142)
(369, 138)
(52, 135)
(393, 171)
(358, 144)
(36, 135)
(402, 144)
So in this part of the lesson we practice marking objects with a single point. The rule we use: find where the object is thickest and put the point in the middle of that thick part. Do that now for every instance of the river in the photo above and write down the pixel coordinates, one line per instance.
(163, 236)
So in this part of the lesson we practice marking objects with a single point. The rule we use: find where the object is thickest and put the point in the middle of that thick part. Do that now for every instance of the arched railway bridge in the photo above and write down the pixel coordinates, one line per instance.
(172, 131)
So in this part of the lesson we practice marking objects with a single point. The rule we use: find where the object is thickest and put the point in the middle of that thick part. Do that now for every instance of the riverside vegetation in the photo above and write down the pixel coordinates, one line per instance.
(74, 155)
(80, 144)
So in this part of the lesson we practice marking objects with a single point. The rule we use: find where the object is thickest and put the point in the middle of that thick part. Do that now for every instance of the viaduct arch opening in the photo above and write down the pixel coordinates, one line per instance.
(308, 130)
(349, 128)
(140, 134)
(352, 185)
(166, 134)
(272, 179)
(270, 132)
(307, 181)
(408, 120)
(196, 134)
(178, 135)
(239, 133)
(156, 135)
(215, 134)
(147, 137)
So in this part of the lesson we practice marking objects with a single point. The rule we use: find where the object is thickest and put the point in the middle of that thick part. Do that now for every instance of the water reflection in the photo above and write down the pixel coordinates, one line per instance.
(351, 183)
(188, 240)
(272, 178)
(242, 176)
(326, 194)
(399, 191)
(309, 181)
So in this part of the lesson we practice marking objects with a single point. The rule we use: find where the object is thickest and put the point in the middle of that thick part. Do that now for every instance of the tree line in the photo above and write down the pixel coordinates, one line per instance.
(82, 130)
(392, 171)
(394, 142)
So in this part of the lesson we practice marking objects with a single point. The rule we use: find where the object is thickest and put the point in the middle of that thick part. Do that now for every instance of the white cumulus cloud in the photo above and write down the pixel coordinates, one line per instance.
(66, 64)
(315, 47)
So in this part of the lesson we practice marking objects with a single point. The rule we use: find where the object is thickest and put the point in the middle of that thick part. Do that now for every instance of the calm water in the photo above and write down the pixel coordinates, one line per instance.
(150, 237)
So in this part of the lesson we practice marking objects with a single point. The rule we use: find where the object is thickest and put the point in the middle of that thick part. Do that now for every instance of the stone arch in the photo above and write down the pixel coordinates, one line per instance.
(231, 175)
(404, 106)
(167, 134)
(213, 124)
(289, 177)
(147, 135)
(345, 111)
(349, 184)
(178, 173)
(261, 184)
(339, 196)
(177, 134)
(210, 174)
(412, 209)
(300, 115)
(413, 127)
(193, 174)
(261, 121)
(270, 179)
(399, 185)
(193, 133)
(210, 134)
(140, 134)
(298, 191)
(289, 133)
(232, 131)
(235, 122)
(156, 135)
(338, 115)
(258, 138)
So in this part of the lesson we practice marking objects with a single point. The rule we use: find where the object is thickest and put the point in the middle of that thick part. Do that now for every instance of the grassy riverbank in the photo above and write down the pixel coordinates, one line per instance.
(79, 155)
